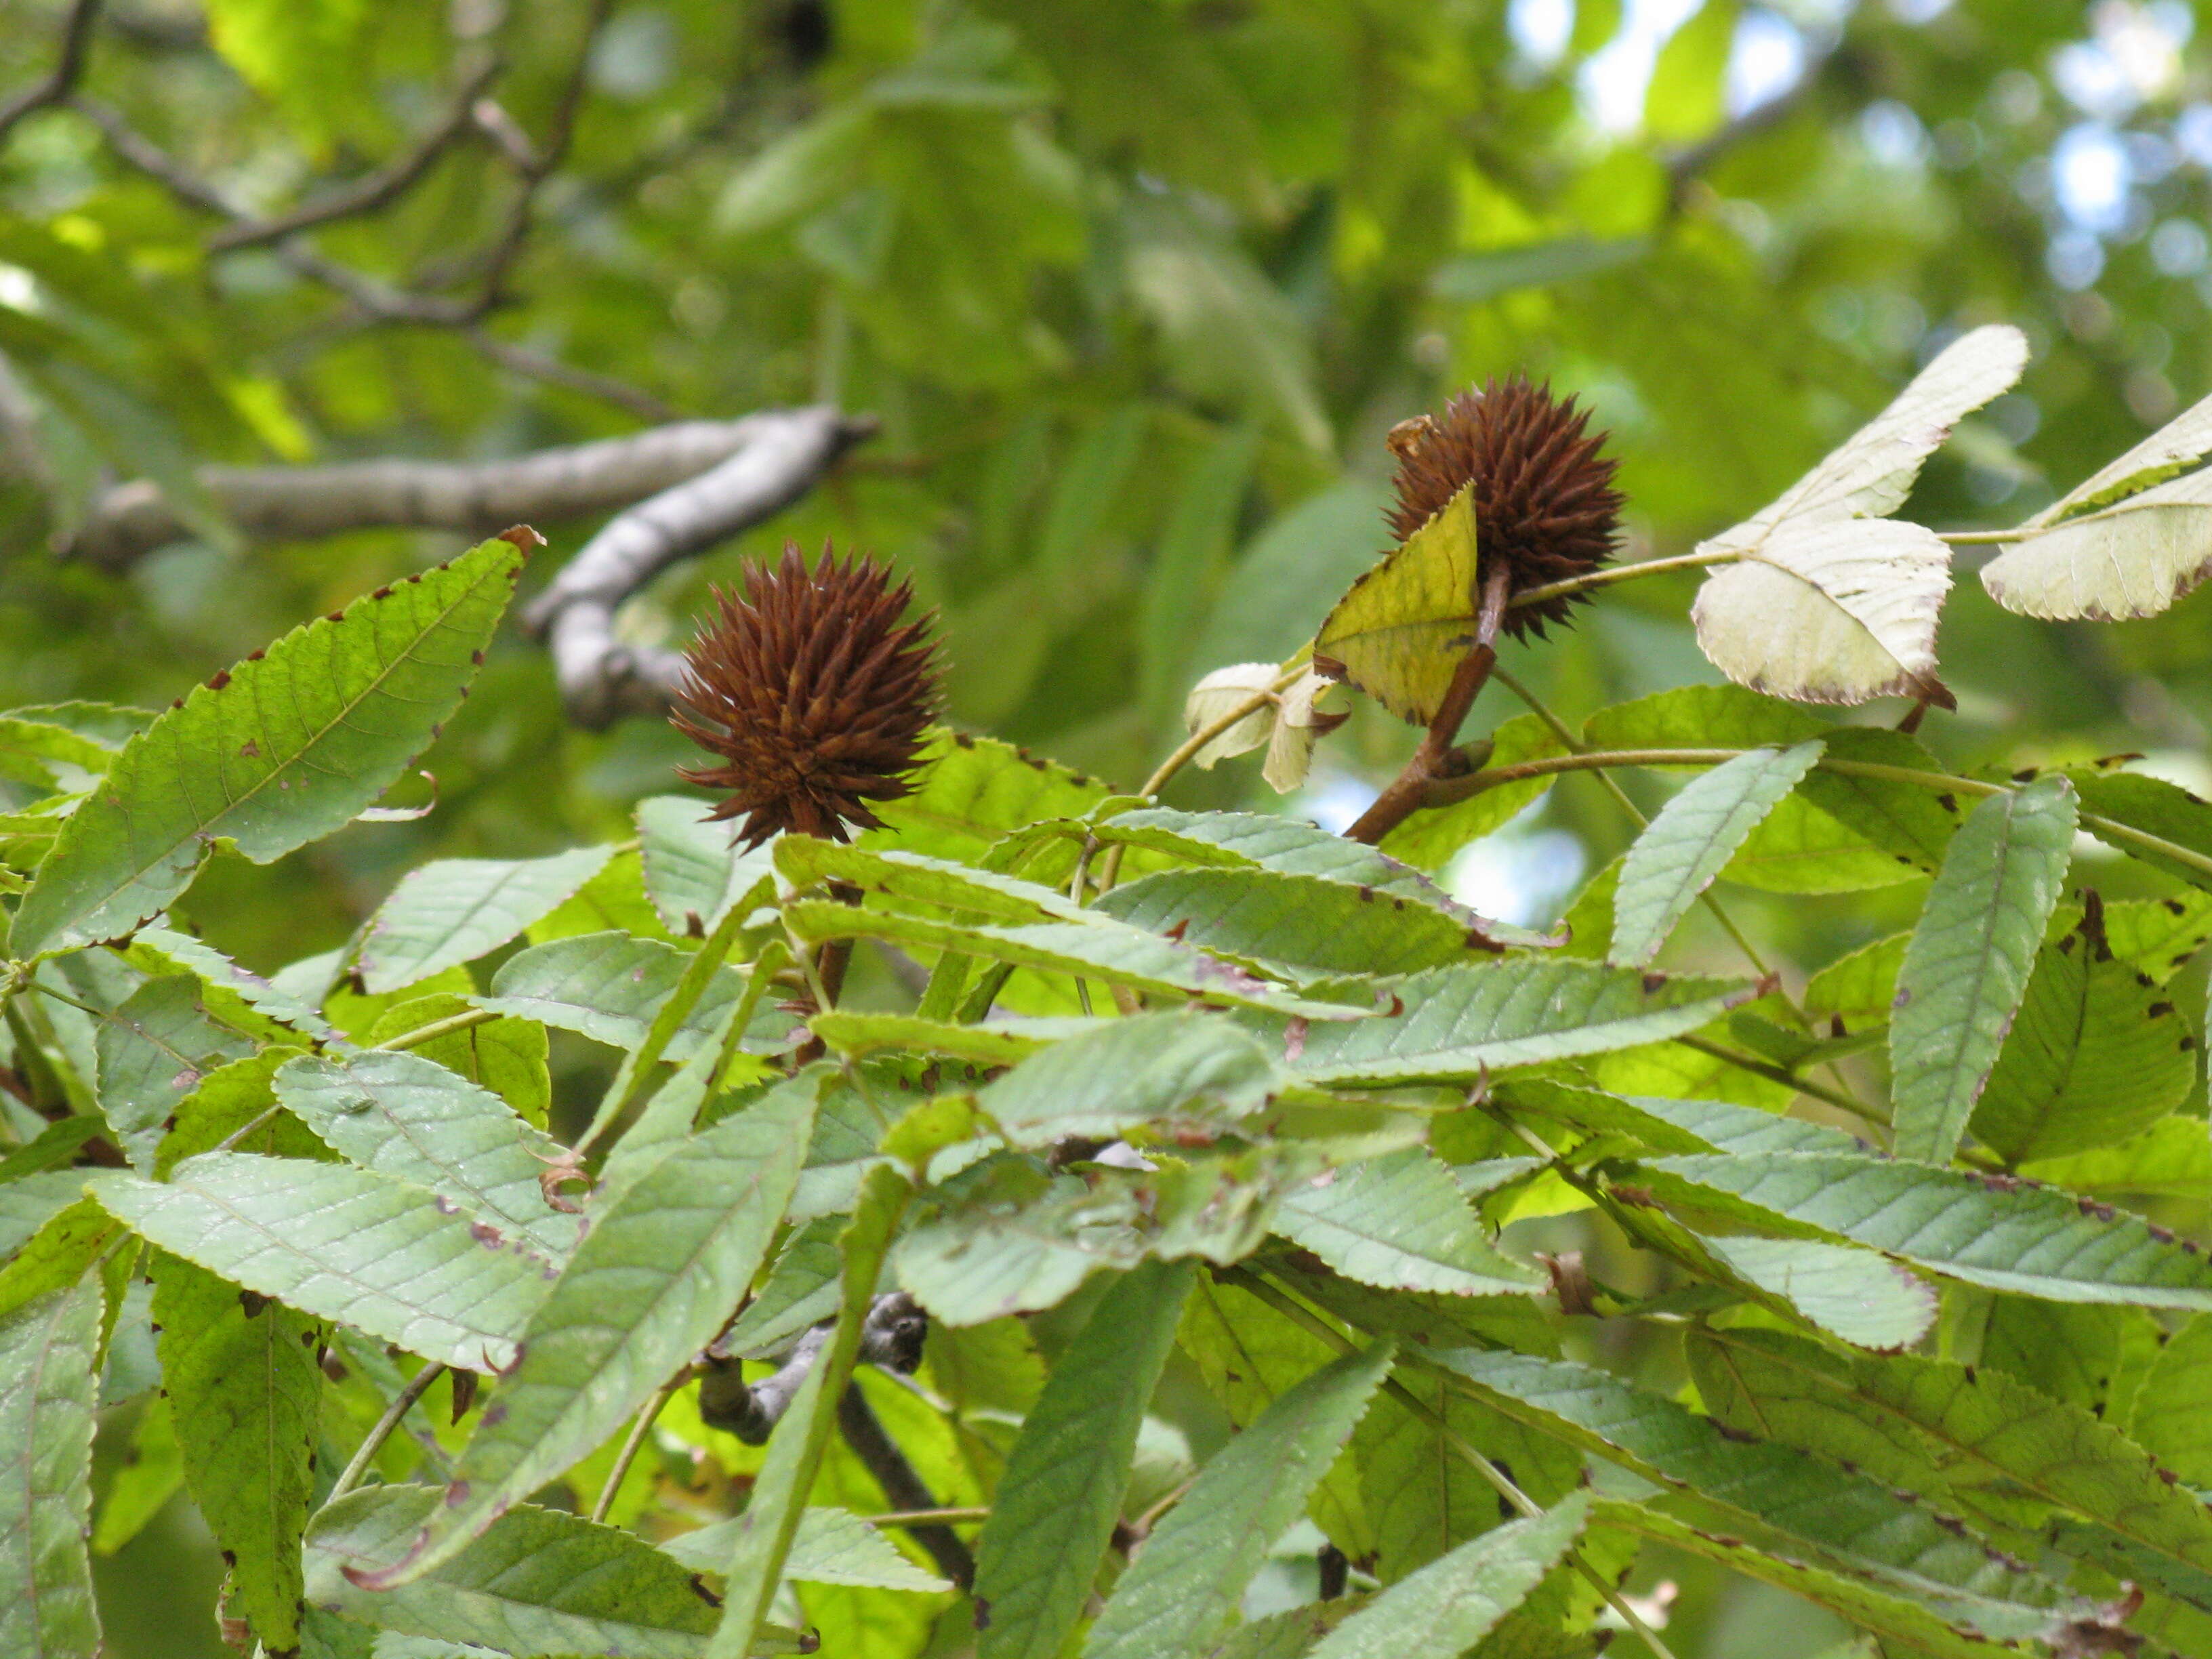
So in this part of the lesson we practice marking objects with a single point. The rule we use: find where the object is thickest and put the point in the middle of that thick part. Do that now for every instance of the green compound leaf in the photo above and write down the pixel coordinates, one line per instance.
(1182, 1591)
(2158, 808)
(1852, 1519)
(1859, 1295)
(657, 1277)
(57, 1254)
(1103, 950)
(916, 877)
(343, 1245)
(1698, 831)
(1913, 1421)
(453, 910)
(1994, 1231)
(243, 1383)
(539, 1581)
(830, 1547)
(765, 1531)
(286, 747)
(2173, 1419)
(1061, 1493)
(1401, 1222)
(971, 791)
(1447, 1606)
(609, 986)
(402, 1115)
(153, 1049)
(1454, 1024)
(1166, 1070)
(1914, 1627)
(2097, 1053)
(1401, 631)
(48, 1380)
(1303, 926)
(1967, 965)
(693, 874)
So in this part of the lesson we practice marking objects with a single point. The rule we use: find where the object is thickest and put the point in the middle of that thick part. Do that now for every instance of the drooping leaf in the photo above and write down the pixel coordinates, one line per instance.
(1006, 1237)
(1401, 631)
(409, 1118)
(454, 910)
(1298, 924)
(56, 1255)
(1694, 835)
(1154, 1069)
(770, 1521)
(805, 860)
(287, 747)
(1183, 1590)
(2095, 1054)
(1994, 1231)
(154, 1048)
(1901, 1415)
(225, 980)
(241, 1378)
(1856, 1294)
(1453, 1602)
(1102, 950)
(692, 872)
(1901, 1618)
(1401, 1222)
(969, 791)
(609, 986)
(1451, 1024)
(1847, 1517)
(48, 1351)
(1249, 1354)
(2127, 541)
(1056, 1504)
(658, 1275)
(830, 1547)
(539, 1581)
(1967, 965)
(1830, 612)
(343, 1245)
(152, 1470)
(506, 1056)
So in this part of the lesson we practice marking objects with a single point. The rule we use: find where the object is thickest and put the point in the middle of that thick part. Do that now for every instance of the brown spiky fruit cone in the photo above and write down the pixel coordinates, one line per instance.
(818, 695)
(1544, 500)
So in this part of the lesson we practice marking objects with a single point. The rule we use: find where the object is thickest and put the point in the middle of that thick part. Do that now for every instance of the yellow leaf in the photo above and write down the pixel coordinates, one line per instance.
(1401, 631)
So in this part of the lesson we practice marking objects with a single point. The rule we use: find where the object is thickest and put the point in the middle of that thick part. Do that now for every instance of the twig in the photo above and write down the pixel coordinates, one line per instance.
(62, 79)
(373, 190)
(958, 1513)
(903, 1489)
(1408, 792)
(463, 1021)
(638, 1431)
(417, 1386)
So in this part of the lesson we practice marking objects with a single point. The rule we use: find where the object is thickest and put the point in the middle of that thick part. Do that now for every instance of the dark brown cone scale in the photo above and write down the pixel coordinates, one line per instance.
(813, 694)
(1544, 500)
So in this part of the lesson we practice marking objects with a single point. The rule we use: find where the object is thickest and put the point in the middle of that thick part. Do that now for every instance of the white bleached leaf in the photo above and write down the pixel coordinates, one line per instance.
(1834, 611)
(1872, 472)
(1219, 692)
(1298, 724)
(2133, 558)
(2181, 442)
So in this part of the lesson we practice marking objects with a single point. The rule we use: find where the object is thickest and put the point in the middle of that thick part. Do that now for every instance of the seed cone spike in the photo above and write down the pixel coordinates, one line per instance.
(1544, 500)
(812, 693)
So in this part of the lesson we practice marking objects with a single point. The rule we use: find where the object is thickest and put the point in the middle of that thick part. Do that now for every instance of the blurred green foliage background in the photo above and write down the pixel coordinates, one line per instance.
(1134, 288)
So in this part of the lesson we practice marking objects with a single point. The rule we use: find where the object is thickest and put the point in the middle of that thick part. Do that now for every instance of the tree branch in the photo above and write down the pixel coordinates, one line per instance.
(601, 679)
(371, 189)
(903, 1489)
(891, 1336)
(68, 68)
(291, 503)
